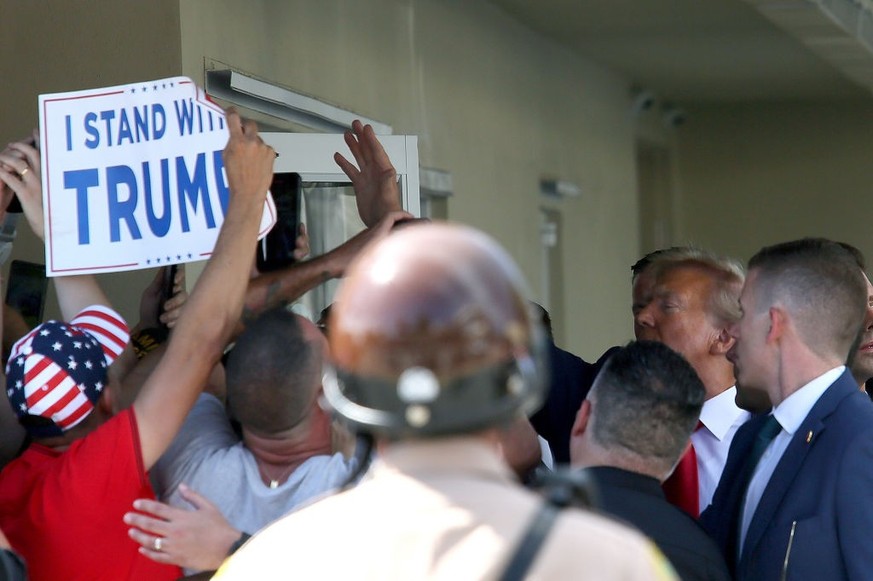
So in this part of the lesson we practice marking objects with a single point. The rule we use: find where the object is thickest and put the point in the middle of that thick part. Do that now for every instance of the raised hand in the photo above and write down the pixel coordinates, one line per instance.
(21, 175)
(247, 159)
(374, 179)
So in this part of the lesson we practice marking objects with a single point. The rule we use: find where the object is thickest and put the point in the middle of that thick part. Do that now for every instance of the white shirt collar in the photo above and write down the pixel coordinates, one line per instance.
(794, 408)
(719, 413)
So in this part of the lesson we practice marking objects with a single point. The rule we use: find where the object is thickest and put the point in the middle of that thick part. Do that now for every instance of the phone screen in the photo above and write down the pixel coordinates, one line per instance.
(276, 249)
(26, 290)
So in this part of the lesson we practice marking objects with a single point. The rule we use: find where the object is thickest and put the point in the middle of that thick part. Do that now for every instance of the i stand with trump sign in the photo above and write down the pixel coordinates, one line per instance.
(133, 177)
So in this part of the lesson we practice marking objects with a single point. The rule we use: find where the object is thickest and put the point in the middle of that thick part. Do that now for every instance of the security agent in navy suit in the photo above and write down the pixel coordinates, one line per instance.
(629, 434)
(803, 511)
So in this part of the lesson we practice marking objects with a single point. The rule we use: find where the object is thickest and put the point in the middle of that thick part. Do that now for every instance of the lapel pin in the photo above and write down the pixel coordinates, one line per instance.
(809, 437)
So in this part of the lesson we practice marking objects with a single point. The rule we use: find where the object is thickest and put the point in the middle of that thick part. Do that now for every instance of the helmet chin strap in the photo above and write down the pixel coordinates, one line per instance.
(475, 401)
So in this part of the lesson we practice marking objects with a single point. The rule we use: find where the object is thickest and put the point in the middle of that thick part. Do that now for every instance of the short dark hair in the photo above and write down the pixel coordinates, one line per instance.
(540, 313)
(273, 373)
(856, 254)
(819, 282)
(646, 401)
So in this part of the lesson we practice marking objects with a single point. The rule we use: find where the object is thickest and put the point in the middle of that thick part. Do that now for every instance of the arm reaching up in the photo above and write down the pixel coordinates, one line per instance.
(271, 289)
(215, 304)
(20, 170)
(378, 200)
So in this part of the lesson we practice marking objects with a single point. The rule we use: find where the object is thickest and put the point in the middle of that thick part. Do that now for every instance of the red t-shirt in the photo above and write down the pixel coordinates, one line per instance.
(62, 511)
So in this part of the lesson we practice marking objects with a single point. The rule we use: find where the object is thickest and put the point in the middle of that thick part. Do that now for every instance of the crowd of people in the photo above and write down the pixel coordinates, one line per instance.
(429, 427)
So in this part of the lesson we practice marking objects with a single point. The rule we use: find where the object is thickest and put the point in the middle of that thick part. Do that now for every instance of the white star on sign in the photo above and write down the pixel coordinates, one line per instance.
(88, 364)
(56, 346)
(99, 386)
(71, 364)
(20, 361)
(44, 332)
(19, 384)
(9, 392)
(23, 407)
(77, 344)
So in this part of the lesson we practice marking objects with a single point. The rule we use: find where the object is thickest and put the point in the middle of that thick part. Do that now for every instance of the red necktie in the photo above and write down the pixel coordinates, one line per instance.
(681, 487)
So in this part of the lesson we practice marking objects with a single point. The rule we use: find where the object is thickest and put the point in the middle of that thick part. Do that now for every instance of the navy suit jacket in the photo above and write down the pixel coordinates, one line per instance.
(570, 380)
(816, 513)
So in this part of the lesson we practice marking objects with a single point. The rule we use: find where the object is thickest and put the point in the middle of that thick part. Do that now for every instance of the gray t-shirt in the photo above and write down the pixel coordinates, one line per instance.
(208, 456)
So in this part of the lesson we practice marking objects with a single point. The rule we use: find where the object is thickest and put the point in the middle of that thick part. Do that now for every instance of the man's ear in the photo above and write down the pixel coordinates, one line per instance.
(582, 417)
(778, 324)
(721, 343)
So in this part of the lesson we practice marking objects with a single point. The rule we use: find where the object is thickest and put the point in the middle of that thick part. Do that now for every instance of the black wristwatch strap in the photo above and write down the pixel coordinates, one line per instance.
(238, 543)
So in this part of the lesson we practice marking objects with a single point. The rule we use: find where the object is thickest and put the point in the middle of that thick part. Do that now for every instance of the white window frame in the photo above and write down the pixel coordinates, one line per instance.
(311, 156)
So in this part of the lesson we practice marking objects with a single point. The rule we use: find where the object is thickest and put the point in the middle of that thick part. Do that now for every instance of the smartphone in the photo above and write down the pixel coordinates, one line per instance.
(26, 290)
(276, 249)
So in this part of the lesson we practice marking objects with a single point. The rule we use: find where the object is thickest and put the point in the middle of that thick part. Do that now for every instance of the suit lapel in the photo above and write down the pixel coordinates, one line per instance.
(792, 460)
(723, 525)
(781, 480)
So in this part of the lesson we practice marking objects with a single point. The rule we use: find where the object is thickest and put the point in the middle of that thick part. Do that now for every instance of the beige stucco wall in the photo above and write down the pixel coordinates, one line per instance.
(492, 102)
(758, 174)
(64, 45)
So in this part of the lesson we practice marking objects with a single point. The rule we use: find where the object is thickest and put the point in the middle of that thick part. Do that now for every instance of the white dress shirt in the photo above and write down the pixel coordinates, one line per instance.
(790, 414)
(721, 418)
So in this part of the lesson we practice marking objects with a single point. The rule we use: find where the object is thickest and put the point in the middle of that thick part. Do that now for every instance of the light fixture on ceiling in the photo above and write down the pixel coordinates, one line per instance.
(641, 101)
(559, 188)
(673, 116)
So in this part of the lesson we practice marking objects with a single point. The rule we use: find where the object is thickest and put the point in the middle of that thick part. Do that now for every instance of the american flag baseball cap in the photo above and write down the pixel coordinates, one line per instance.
(57, 372)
